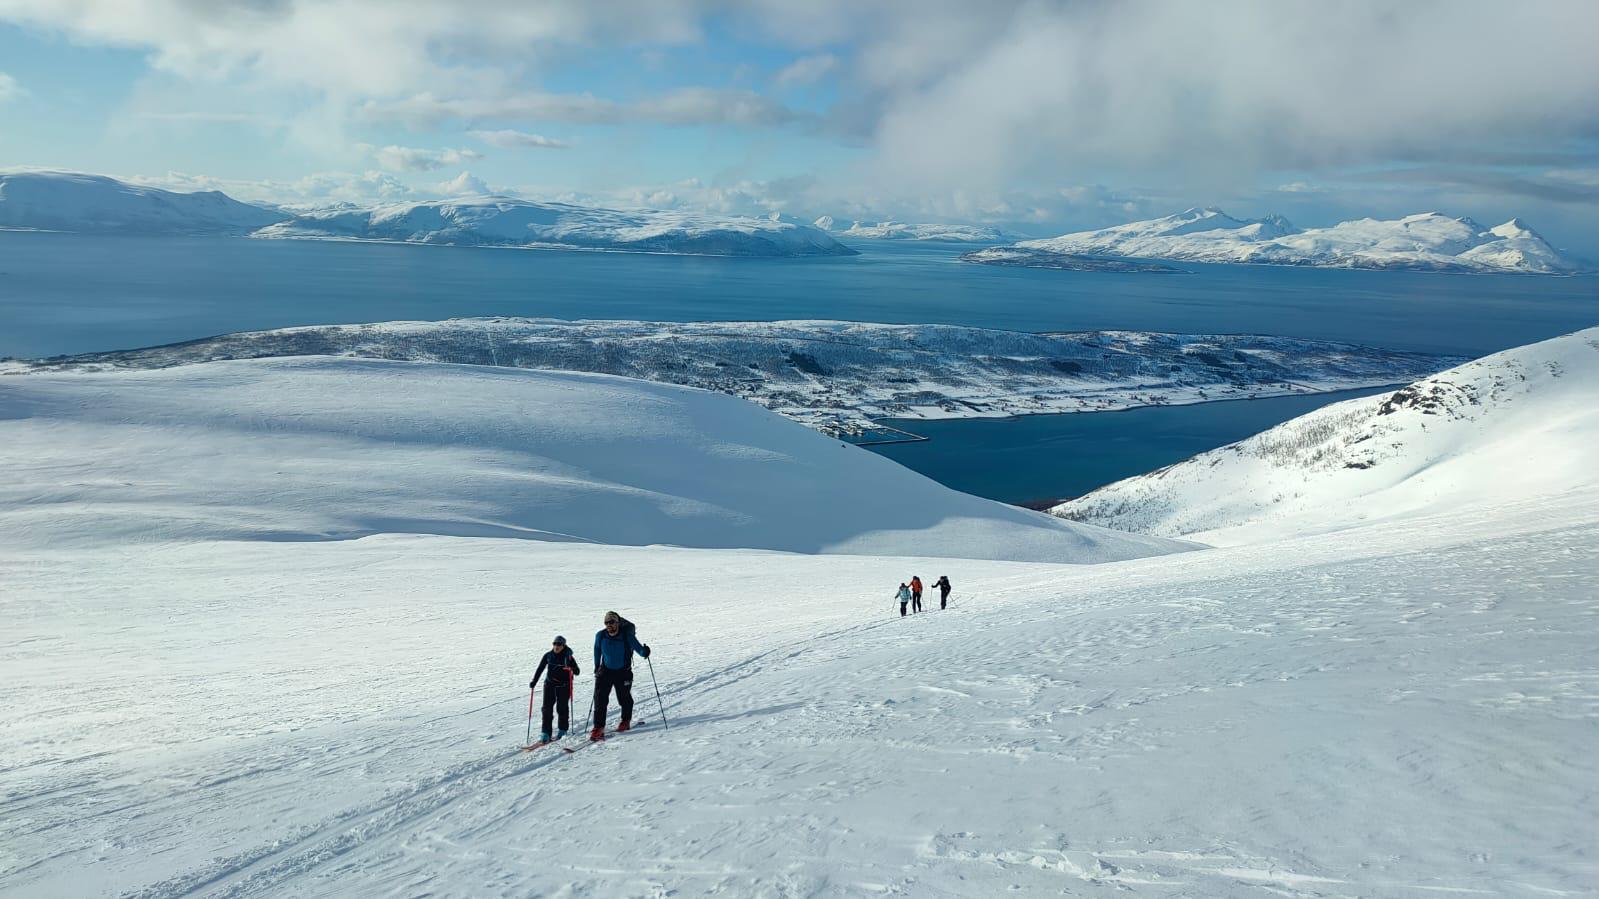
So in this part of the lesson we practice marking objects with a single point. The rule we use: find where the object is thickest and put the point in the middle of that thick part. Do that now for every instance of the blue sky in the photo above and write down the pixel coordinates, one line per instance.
(1036, 116)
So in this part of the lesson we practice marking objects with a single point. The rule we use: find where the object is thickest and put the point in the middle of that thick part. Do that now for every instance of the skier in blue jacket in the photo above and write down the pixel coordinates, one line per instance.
(613, 669)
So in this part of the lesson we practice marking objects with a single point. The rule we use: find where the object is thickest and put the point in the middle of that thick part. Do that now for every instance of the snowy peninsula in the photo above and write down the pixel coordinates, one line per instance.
(839, 376)
(1426, 242)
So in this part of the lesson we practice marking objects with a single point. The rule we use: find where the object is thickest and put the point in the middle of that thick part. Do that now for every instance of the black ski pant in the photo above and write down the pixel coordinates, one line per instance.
(916, 601)
(605, 680)
(902, 610)
(943, 597)
(557, 699)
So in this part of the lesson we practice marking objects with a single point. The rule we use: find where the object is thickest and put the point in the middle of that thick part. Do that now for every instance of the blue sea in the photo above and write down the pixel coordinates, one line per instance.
(63, 293)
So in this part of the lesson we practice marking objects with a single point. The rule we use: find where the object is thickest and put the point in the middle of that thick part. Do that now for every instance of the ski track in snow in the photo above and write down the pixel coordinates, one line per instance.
(1402, 710)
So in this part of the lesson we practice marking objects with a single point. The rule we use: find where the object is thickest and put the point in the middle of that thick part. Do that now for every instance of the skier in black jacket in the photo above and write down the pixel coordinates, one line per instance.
(943, 590)
(558, 686)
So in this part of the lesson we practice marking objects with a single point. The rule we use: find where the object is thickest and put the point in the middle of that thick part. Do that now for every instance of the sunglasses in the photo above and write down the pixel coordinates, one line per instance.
(612, 623)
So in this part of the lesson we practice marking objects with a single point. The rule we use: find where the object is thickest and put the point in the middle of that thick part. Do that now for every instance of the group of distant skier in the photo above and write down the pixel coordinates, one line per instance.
(911, 594)
(614, 646)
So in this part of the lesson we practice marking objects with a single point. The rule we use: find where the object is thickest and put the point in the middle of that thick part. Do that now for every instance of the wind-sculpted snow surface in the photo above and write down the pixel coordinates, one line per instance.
(512, 222)
(1402, 711)
(836, 376)
(72, 201)
(319, 448)
(1426, 242)
(1512, 425)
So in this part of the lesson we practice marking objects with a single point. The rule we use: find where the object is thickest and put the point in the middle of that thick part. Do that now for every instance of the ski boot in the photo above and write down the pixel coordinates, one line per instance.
(625, 726)
(597, 734)
(544, 737)
(560, 733)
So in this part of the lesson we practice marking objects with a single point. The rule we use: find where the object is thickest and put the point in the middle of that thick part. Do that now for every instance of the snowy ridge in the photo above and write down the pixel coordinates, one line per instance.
(72, 201)
(512, 222)
(837, 376)
(318, 448)
(909, 231)
(1426, 242)
(1513, 425)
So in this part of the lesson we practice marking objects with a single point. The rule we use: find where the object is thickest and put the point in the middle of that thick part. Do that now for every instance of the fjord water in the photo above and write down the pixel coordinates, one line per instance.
(66, 293)
(1038, 458)
(63, 293)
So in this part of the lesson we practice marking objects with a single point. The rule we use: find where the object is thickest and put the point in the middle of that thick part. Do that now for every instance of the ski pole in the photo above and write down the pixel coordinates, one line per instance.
(657, 693)
(529, 741)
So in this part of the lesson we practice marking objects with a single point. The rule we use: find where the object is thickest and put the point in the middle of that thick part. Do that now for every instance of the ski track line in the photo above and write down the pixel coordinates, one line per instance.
(242, 874)
(298, 857)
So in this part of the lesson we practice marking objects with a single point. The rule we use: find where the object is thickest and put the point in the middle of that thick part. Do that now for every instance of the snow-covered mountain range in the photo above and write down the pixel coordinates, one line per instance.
(72, 201)
(1517, 424)
(66, 201)
(909, 231)
(837, 376)
(513, 222)
(1426, 242)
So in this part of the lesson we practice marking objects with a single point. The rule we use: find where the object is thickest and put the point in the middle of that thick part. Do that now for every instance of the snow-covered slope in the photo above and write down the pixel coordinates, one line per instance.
(73, 201)
(1398, 712)
(1517, 424)
(318, 448)
(513, 222)
(910, 231)
(1428, 242)
(837, 376)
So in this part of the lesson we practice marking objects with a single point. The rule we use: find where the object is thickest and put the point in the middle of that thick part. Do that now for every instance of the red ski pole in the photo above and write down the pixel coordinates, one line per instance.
(529, 741)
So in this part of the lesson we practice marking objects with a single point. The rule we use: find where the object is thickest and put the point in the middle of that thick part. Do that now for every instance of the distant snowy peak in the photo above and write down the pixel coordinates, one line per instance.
(1508, 427)
(907, 231)
(514, 222)
(73, 201)
(1428, 242)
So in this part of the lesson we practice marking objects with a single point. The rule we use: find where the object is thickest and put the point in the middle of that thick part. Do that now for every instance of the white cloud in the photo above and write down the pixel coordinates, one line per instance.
(510, 139)
(465, 184)
(806, 70)
(210, 118)
(411, 159)
(686, 106)
(972, 108)
(312, 190)
(355, 47)
(1205, 93)
(9, 88)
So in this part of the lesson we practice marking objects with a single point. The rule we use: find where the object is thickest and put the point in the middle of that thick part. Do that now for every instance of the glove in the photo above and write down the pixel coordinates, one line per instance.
(532, 683)
(644, 651)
